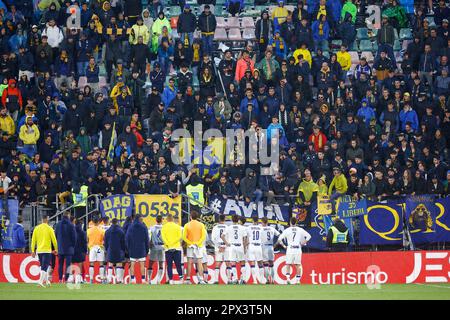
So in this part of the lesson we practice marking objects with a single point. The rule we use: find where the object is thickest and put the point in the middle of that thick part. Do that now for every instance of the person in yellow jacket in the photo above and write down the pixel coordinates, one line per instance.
(194, 235)
(42, 241)
(6, 122)
(279, 14)
(344, 59)
(172, 235)
(307, 190)
(338, 186)
(304, 51)
(139, 30)
(29, 134)
(117, 91)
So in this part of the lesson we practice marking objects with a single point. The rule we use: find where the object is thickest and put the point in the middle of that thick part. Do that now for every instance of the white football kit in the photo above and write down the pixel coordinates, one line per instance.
(295, 237)
(254, 251)
(157, 248)
(235, 234)
(267, 237)
(216, 235)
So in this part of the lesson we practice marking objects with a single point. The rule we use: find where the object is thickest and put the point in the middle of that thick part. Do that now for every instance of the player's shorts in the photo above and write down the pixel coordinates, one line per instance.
(267, 252)
(254, 253)
(205, 254)
(96, 254)
(236, 254)
(194, 252)
(138, 259)
(157, 255)
(293, 257)
(221, 256)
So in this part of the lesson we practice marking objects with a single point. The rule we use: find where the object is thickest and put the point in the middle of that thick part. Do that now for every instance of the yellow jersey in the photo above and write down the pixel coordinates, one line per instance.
(43, 238)
(171, 234)
(95, 236)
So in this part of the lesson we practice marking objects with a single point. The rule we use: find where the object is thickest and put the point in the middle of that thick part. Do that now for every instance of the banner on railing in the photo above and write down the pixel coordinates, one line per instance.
(150, 206)
(324, 204)
(348, 207)
(117, 206)
(8, 224)
(279, 216)
(428, 220)
(370, 268)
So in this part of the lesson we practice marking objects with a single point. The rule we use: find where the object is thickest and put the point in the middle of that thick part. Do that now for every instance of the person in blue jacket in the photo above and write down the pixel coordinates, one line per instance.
(321, 32)
(408, 115)
(169, 93)
(279, 46)
(67, 240)
(79, 253)
(366, 111)
(115, 248)
(18, 236)
(138, 244)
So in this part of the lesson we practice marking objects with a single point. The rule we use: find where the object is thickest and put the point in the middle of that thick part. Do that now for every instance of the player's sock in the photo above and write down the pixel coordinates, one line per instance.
(143, 278)
(149, 274)
(159, 275)
(242, 272)
(288, 277)
(254, 275)
(266, 270)
(301, 272)
(216, 274)
(119, 274)
(271, 272)
(49, 274)
(234, 273)
(110, 273)
(297, 278)
(102, 272)
(91, 273)
(132, 279)
(43, 277)
(262, 278)
(228, 273)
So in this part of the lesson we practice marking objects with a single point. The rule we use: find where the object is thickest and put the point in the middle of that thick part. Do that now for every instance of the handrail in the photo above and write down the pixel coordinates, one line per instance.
(59, 212)
(199, 203)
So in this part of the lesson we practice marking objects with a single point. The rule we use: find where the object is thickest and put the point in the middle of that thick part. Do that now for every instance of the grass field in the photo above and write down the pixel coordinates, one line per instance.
(221, 292)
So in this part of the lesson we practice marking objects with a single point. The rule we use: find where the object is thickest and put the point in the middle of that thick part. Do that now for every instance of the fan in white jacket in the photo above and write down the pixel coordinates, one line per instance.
(54, 34)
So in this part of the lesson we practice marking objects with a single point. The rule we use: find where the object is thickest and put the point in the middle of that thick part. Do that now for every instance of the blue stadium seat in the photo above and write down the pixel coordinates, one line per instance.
(362, 34)
(405, 34)
(365, 45)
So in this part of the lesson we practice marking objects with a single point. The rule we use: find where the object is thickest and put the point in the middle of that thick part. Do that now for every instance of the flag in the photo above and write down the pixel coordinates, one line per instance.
(111, 144)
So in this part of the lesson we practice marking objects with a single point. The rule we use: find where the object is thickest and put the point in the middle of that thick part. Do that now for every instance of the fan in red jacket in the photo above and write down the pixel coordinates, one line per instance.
(318, 138)
(12, 99)
(139, 138)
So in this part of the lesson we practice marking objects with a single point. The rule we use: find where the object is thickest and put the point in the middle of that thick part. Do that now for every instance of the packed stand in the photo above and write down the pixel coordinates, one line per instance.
(360, 111)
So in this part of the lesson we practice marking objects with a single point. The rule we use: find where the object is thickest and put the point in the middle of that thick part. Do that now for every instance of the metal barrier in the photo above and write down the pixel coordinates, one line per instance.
(89, 209)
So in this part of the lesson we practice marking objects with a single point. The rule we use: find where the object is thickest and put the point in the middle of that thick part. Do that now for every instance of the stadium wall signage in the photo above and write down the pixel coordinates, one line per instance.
(371, 268)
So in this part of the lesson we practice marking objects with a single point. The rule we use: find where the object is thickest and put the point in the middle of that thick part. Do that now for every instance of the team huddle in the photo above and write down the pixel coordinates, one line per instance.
(113, 247)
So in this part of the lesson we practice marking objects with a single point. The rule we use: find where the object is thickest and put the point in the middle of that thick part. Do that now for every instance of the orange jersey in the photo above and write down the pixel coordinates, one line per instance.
(95, 236)
(194, 232)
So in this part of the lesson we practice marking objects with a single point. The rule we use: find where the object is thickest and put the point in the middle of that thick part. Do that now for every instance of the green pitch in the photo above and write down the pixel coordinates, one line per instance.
(223, 292)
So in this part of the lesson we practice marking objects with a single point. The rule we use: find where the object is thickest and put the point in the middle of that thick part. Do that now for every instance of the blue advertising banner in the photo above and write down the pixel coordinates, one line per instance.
(318, 230)
(7, 226)
(443, 220)
(350, 208)
(278, 217)
(117, 206)
(383, 223)
(420, 215)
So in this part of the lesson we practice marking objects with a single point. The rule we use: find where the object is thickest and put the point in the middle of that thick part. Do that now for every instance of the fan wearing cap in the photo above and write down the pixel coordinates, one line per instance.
(264, 29)
(318, 138)
(279, 13)
(243, 64)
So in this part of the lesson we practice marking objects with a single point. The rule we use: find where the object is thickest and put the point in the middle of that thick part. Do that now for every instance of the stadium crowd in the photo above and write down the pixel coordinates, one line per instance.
(96, 106)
